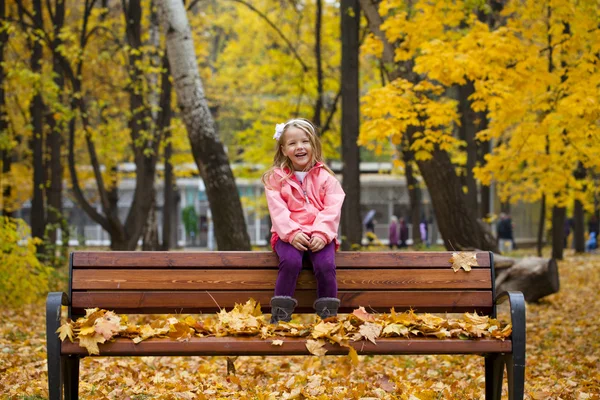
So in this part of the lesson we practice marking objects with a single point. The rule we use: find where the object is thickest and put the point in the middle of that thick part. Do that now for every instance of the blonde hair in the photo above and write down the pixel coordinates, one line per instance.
(280, 160)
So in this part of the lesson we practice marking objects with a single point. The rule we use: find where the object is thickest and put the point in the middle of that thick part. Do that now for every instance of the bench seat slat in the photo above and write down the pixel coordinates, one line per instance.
(206, 279)
(258, 259)
(212, 346)
(194, 302)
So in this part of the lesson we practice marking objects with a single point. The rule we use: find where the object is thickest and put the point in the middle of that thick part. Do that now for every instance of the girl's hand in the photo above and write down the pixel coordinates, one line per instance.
(300, 241)
(316, 244)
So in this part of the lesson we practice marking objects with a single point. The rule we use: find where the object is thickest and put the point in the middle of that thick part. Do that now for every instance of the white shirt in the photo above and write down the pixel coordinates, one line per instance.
(300, 175)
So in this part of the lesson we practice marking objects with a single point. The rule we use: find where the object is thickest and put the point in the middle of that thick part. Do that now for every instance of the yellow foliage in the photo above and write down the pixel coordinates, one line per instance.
(23, 279)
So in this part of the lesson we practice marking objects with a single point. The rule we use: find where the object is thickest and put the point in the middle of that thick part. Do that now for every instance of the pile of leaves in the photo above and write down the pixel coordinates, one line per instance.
(563, 361)
(99, 326)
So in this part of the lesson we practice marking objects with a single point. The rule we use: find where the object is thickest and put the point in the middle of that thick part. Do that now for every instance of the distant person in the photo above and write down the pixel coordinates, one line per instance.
(593, 225)
(505, 233)
(393, 232)
(403, 233)
(305, 202)
(369, 223)
(423, 230)
(592, 243)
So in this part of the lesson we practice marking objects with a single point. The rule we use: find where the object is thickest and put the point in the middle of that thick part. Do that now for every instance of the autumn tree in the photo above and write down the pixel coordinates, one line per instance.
(416, 108)
(209, 154)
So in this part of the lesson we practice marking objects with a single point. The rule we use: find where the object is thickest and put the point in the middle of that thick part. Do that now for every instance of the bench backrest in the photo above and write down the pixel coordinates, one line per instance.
(201, 282)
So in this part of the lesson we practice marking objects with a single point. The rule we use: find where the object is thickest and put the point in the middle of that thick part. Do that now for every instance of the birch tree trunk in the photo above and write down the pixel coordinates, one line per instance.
(207, 149)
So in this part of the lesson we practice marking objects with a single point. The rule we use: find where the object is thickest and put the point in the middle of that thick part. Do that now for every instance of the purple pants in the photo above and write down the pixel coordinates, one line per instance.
(290, 265)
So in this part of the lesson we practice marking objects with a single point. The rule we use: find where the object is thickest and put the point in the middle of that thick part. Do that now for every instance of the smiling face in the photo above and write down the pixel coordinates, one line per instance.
(297, 147)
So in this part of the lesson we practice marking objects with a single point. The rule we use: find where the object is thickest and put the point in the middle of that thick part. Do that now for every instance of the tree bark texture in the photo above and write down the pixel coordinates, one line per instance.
(169, 206)
(558, 231)
(319, 102)
(5, 156)
(458, 225)
(536, 277)
(414, 193)
(579, 227)
(351, 221)
(55, 136)
(207, 149)
(36, 144)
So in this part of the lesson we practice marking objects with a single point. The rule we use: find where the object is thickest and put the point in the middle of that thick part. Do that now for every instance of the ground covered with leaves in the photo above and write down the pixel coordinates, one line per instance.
(563, 361)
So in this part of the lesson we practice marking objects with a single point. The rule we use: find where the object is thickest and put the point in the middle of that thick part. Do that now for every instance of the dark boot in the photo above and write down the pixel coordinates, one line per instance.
(327, 307)
(282, 308)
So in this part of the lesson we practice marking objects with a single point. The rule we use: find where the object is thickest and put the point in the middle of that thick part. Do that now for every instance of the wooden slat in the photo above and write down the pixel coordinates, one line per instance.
(258, 259)
(211, 346)
(206, 279)
(204, 302)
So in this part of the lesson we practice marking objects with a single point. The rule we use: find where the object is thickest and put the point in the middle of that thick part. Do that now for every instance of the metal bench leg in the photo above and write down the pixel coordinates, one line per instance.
(494, 372)
(516, 377)
(56, 362)
(72, 378)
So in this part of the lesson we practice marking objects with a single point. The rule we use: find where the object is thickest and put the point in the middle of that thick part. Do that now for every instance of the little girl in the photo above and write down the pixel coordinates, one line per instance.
(305, 202)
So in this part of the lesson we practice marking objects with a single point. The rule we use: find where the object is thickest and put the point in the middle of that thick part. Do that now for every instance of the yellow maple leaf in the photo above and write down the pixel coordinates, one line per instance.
(91, 343)
(277, 342)
(464, 260)
(180, 331)
(65, 330)
(397, 329)
(370, 331)
(108, 325)
(316, 347)
(324, 329)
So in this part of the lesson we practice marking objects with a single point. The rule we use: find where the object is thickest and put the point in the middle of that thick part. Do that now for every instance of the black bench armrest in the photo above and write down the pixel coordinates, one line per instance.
(517, 319)
(53, 303)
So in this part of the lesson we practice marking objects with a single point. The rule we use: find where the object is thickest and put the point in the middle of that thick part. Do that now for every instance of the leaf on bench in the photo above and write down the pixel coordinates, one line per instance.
(316, 347)
(277, 342)
(464, 260)
(65, 331)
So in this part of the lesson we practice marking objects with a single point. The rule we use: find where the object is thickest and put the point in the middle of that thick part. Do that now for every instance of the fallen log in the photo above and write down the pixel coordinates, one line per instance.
(536, 277)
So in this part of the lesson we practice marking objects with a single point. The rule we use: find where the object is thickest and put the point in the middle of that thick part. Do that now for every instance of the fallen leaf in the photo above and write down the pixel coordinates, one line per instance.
(464, 260)
(64, 331)
(316, 347)
(277, 342)
(363, 315)
(370, 331)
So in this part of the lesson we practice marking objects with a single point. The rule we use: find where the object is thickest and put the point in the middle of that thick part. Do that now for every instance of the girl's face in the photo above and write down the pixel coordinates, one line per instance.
(296, 146)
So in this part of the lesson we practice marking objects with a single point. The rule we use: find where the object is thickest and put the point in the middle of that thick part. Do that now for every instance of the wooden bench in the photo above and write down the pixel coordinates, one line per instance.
(188, 283)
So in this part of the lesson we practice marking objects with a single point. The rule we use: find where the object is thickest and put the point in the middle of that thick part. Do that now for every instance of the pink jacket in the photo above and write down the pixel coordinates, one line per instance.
(313, 207)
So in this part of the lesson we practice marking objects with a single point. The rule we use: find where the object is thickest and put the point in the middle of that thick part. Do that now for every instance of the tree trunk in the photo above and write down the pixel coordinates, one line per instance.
(55, 138)
(540, 235)
(351, 221)
(319, 103)
(150, 235)
(579, 228)
(5, 156)
(558, 231)
(169, 205)
(579, 214)
(534, 276)
(485, 148)
(414, 194)
(467, 131)
(458, 225)
(36, 143)
(207, 149)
